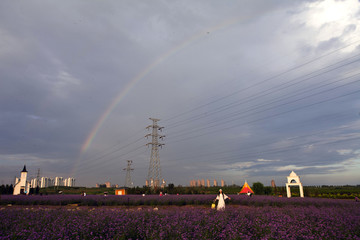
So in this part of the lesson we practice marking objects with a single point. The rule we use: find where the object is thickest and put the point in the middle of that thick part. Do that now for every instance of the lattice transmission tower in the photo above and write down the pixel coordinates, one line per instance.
(38, 178)
(128, 182)
(154, 175)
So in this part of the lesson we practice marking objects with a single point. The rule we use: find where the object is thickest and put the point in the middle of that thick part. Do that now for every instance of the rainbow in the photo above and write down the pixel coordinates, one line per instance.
(146, 71)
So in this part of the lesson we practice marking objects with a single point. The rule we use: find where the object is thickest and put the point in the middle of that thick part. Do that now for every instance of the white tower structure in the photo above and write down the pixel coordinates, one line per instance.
(154, 175)
(294, 180)
(22, 186)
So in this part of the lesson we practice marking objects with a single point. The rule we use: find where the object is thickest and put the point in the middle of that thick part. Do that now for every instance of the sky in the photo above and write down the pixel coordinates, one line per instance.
(245, 90)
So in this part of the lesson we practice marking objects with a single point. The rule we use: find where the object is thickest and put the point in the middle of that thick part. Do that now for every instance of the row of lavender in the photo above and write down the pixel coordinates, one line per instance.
(155, 200)
(188, 222)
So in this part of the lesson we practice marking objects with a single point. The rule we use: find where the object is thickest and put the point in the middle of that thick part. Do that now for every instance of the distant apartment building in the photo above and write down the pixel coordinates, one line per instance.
(59, 181)
(222, 183)
(51, 182)
(46, 182)
(22, 186)
(69, 182)
(205, 183)
(106, 185)
(34, 183)
(215, 183)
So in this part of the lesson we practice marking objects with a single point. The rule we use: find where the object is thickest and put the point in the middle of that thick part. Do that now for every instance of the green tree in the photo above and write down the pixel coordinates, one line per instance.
(170, 188)
(258, 188)
(268, 190)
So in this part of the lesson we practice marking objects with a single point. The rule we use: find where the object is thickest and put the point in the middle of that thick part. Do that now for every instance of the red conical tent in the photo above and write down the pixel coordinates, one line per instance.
(246, 188)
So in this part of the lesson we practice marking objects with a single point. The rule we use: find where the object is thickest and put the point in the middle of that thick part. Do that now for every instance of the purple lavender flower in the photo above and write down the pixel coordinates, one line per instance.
(259, 217)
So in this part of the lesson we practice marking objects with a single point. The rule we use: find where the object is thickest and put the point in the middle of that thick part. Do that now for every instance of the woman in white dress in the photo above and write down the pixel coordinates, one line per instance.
(221, 198)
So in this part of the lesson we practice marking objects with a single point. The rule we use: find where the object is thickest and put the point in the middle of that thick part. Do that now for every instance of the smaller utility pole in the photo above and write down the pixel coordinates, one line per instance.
(128, 169)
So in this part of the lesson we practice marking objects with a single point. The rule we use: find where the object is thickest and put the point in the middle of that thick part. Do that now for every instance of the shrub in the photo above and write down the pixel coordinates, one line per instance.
(258, 188)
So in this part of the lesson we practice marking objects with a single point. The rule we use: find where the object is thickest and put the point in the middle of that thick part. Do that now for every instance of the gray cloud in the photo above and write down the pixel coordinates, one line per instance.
(246, 90)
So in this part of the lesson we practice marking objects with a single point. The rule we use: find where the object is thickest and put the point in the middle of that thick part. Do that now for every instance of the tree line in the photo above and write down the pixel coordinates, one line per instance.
(346, 191)
(6, 189)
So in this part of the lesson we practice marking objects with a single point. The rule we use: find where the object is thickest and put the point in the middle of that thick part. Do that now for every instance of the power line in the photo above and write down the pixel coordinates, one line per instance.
(266, 92)
(90, 162)
(259, 145)
(265, 118)
(258, 153)
(106, 162)
(106, 151)
(96, 161)
(251, 110)
(263, 81)
(263, 93)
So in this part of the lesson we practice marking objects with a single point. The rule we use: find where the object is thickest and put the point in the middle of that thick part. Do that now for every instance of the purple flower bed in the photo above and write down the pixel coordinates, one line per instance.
(188, 222)
(155, 200)
(99, 200)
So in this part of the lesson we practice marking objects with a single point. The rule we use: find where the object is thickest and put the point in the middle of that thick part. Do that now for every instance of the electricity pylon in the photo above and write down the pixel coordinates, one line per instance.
(128, 169)
(38, 178)
(154, 175)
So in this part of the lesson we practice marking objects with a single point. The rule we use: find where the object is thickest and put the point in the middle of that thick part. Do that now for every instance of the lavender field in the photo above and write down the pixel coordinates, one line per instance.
(167, 200)
(244, 218)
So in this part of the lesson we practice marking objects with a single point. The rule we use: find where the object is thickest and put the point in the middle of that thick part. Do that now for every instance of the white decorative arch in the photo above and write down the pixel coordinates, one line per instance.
(294, 180)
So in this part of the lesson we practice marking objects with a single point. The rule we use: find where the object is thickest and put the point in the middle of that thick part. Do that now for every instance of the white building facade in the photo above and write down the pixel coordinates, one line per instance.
(57, 182)
(46, 182)
(69, 182)
(22, 186)
(34, 183)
